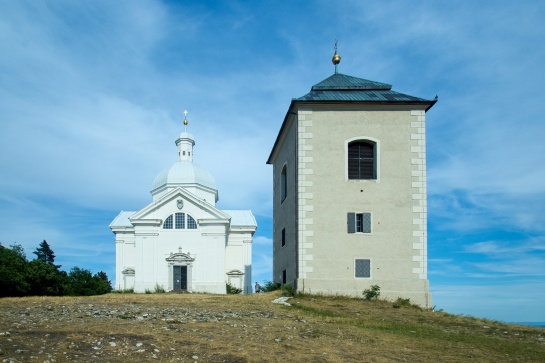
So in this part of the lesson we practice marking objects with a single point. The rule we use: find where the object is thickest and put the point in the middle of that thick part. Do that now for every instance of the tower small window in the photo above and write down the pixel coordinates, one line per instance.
(358, 222)
(283, 184)
(362, 268)
(283, 237)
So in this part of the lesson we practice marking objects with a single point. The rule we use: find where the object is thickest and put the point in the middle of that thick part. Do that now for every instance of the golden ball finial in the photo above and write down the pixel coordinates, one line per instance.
(336, 58)
(185, 118)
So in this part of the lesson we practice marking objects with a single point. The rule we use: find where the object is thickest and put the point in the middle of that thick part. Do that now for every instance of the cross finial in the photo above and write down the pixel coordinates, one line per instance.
(185, 120)
(336, 57)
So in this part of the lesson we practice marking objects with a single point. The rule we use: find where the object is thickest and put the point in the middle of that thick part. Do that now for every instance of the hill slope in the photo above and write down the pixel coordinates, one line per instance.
(238, 328)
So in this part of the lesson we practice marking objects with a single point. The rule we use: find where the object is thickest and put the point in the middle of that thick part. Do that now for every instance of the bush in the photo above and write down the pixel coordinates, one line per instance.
(124, 291)
(231, 289)
(404, 303)
(287, 290)
(159, 289)
(269, 286)
(83, 283)
(373, 293)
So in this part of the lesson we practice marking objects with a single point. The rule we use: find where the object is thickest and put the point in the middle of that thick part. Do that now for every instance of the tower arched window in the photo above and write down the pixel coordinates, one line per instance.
(180, 221)
(283, 184)
(362, 155)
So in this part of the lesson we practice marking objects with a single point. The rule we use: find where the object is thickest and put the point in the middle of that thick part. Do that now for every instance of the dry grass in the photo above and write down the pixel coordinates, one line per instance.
(239, 328)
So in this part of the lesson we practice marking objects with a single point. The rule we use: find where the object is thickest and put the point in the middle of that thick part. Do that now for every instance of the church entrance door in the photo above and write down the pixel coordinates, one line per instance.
(180, 278)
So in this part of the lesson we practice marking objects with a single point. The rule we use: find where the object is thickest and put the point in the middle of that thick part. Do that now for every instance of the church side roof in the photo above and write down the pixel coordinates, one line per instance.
(122, 220)
(241, 217)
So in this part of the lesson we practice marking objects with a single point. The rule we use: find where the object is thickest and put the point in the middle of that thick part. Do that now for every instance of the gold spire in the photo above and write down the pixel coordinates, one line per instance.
(336, 58)
(185, 120)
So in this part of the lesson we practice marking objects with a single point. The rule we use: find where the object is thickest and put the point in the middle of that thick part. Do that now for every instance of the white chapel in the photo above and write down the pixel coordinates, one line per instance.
(181, 241)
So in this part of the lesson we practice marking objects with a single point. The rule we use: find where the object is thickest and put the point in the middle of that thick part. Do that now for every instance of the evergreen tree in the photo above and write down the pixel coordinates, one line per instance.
(45, 254)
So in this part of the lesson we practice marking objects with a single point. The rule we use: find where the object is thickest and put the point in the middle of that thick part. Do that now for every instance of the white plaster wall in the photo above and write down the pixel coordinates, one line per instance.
(206, 245)
(284, 212)
(397, 245)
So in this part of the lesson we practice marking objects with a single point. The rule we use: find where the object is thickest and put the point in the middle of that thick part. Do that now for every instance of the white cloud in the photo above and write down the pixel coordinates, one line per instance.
(92, 98)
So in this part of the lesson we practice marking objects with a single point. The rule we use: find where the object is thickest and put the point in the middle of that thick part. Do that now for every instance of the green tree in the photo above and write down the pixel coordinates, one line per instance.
(45, 254)
(83, 283)
(103, 277)
(13, 270)
(45, 279)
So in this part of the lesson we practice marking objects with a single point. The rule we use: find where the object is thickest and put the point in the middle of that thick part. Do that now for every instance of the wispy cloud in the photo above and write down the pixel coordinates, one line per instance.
(92, 96)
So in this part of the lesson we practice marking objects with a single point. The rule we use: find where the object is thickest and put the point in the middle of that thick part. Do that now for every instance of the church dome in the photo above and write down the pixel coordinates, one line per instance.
(182, 173)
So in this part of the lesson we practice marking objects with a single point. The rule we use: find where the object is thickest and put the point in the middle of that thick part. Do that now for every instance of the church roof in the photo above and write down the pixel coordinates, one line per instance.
(184, 173)
(342, 88)
(122, 220)
(241, 217)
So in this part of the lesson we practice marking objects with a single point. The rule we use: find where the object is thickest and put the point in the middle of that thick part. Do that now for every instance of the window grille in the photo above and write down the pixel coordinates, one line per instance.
(179, 221)
(168, 223)
(363, 268)
(191, 224)
(361, 160)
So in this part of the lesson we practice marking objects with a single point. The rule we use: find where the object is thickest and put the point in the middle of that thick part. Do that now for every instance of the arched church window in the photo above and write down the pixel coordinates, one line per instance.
(191, 224)
(179, 220)
(168, 223)
(362, 160)
(283, 184)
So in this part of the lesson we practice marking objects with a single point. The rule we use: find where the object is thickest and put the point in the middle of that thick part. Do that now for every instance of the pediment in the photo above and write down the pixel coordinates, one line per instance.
(235, 273)
(183, 197)
(180, 257)
(128, 271)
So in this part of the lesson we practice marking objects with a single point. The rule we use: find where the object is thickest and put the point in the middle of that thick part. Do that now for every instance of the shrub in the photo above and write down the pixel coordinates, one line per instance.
(231, 289)
(269, 286)
(399, 303)
(159, 289)
(287, 290)
(373, 293)
(124, 291)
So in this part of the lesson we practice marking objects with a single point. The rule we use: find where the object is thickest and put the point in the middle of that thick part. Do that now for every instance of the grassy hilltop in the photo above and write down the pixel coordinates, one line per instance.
(249, 328)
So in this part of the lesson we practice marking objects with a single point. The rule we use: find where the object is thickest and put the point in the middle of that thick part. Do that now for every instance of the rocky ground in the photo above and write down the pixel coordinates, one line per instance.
(211, 328)
(138, 328)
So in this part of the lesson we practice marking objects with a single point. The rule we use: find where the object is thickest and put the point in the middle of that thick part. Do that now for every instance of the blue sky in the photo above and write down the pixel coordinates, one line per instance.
(92, 95)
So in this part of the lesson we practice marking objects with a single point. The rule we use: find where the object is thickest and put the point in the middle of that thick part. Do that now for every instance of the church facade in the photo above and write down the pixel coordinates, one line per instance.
(349, 191)
(181, 241)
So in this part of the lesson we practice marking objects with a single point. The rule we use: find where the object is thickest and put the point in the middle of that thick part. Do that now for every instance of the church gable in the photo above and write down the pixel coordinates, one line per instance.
(179, 200)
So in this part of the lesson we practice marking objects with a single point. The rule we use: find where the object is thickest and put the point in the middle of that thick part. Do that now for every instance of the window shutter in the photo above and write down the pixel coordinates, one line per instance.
(351, 222)
(366, 223)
